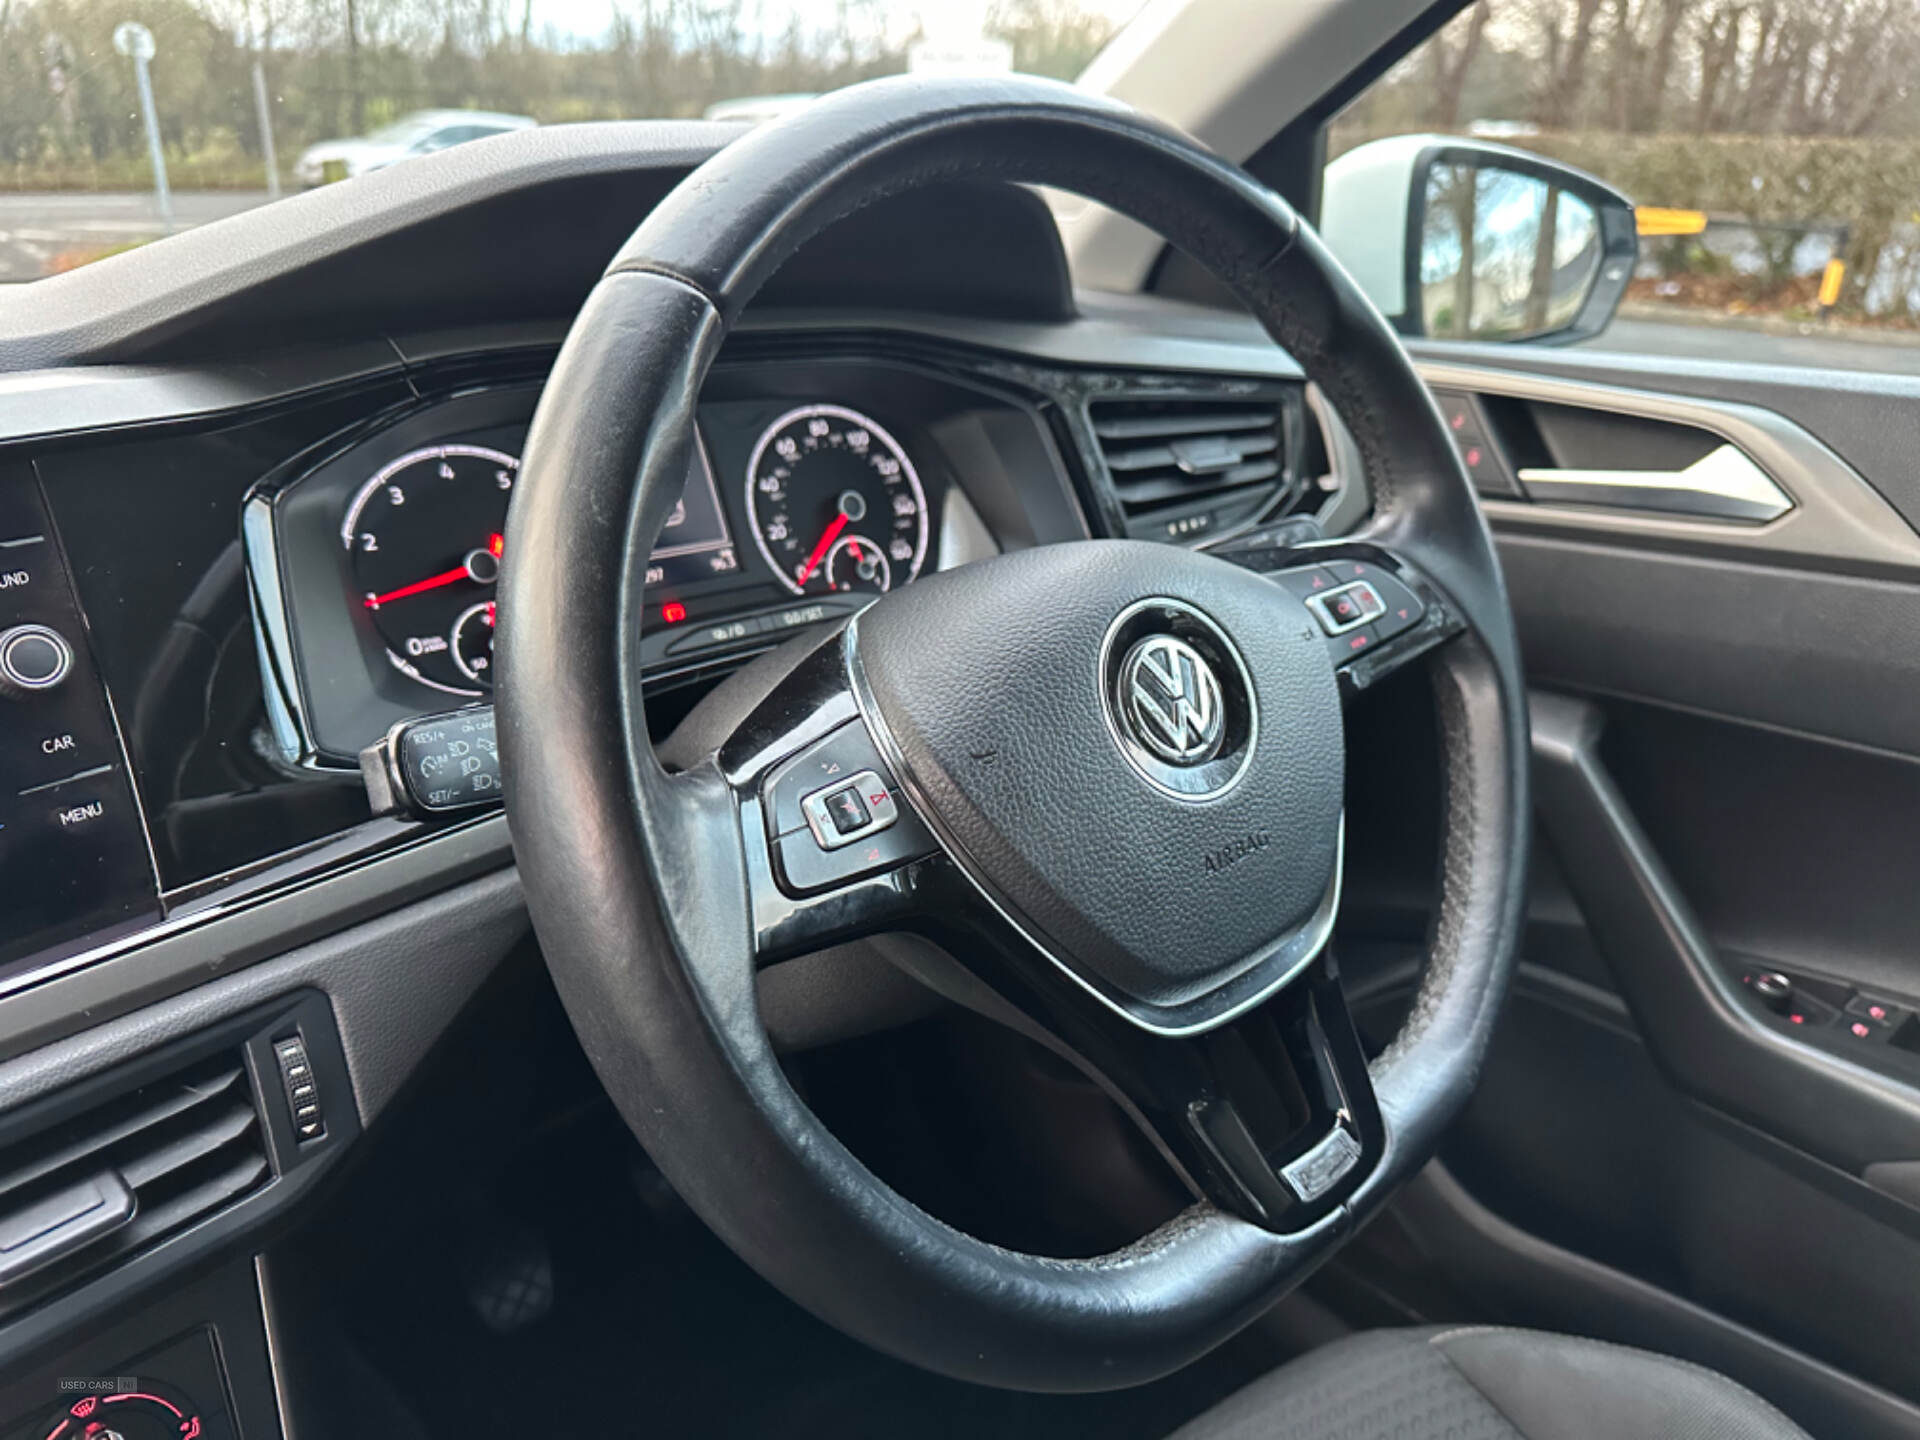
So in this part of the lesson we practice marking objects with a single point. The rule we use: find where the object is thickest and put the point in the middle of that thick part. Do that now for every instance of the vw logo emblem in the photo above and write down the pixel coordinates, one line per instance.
(1171, 700)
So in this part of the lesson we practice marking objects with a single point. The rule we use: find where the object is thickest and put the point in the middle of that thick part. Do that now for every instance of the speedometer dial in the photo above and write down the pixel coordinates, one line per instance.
(835, 503)
(425, 537)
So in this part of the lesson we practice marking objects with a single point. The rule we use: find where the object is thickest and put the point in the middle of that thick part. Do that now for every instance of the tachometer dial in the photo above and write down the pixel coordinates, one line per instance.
(824, 476)
(425, 537)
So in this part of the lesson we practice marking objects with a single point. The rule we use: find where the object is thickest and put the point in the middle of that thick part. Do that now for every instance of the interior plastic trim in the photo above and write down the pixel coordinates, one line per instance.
(1706, 1034)
(182, 954)
(1836, 515)
(1723, 484)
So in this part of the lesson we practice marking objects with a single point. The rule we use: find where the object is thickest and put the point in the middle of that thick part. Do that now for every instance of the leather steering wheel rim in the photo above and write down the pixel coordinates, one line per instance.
(634, 877)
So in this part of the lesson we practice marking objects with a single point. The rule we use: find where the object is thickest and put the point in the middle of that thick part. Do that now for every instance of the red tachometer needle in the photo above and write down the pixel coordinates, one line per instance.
(826, 543)
(434, 582)
(495, 544)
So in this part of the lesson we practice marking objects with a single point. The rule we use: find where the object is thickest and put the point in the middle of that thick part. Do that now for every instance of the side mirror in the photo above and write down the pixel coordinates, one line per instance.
(1461, 240)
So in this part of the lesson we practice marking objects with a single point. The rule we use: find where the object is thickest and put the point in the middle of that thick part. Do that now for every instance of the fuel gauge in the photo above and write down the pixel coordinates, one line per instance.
(472, 643)
(856, 563)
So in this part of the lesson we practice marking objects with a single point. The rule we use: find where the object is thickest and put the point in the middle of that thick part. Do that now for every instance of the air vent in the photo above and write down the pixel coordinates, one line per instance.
(1168, 451)
(177, 1149)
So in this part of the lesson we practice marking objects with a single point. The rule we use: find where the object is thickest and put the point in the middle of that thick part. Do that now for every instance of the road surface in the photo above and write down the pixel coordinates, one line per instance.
(40, 233)
(43, 232)
(1681, 340)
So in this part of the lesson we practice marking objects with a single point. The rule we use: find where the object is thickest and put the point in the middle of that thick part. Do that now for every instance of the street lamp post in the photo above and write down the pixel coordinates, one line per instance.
(262, 110)
(265, 113)
(135, 41)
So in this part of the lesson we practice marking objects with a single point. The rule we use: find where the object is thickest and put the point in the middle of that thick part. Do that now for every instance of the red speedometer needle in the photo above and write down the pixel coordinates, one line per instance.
(432, 582)
(826, 543)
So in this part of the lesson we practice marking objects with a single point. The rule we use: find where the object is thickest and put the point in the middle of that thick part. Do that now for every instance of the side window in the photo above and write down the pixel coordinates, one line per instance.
(1770, 153)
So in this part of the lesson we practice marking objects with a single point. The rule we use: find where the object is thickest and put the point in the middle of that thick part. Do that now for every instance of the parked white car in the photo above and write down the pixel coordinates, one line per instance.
(758, 109)
(420, 133)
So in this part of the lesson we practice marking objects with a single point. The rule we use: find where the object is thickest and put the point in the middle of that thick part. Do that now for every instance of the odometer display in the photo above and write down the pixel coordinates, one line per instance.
(835, 503)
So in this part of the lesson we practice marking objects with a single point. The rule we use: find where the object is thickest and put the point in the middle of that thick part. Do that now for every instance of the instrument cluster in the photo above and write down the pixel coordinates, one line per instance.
(810, 491)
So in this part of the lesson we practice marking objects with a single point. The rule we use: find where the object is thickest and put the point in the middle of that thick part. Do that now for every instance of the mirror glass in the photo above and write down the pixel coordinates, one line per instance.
(1503, 256)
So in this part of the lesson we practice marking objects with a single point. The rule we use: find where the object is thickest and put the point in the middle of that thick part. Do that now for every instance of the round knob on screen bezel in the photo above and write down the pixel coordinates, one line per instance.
(20, 679)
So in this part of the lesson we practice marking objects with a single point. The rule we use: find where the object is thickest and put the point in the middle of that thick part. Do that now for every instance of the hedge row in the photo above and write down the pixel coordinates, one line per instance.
(1870, 186)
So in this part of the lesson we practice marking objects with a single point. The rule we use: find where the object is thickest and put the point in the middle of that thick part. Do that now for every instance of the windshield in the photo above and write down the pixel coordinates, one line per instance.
(123, 120)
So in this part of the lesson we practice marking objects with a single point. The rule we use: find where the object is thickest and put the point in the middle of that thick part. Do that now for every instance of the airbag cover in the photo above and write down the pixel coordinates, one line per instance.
(989, 680)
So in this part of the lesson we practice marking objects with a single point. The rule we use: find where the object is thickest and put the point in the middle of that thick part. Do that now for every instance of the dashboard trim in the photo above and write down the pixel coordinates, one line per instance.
(230, 932)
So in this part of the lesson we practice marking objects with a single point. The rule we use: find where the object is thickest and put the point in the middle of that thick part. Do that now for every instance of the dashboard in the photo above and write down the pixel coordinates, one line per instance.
(247, 602)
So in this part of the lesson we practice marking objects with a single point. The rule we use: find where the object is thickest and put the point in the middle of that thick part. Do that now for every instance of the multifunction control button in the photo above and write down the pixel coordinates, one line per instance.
(1400, 608)
(1347, 608)
(1357, 605)
(843, 813)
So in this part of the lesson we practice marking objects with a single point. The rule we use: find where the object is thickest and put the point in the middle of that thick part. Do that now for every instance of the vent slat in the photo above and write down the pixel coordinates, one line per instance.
(188, 1144)
(1216, 422)
(1148, 457)
(181, 1151)
(230, 1182)
(145, 1109)
(1166, 451)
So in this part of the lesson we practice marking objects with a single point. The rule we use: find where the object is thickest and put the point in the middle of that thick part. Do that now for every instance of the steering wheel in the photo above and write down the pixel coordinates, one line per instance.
(1106, 777)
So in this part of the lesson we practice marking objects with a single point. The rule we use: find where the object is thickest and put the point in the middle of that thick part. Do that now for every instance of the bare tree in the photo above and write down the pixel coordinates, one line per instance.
(1567, 41)
(1718, 42)
(1451, 61)
(1652, 98)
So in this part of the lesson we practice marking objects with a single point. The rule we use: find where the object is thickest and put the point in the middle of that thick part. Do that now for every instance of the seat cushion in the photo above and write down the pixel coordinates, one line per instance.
(1489, 1383)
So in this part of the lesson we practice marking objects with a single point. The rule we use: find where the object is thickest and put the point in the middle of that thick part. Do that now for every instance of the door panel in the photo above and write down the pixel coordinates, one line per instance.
(1727, 743)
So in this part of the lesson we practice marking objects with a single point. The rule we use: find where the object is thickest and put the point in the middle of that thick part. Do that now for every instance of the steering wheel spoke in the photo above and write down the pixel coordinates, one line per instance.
(1270, 1116)
(1282, 1122)
(833, 850)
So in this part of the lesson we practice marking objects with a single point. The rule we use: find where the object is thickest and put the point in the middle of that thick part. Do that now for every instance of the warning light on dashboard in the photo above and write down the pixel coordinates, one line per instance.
(673, 612)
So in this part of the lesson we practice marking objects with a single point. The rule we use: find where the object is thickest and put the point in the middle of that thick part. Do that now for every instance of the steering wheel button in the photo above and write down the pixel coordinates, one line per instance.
(828, 764)
(850, 810)
(1347, 608)
(805, 866)
(1307, 581)
(1352, 645)
(1401, 609)
(847, 811)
